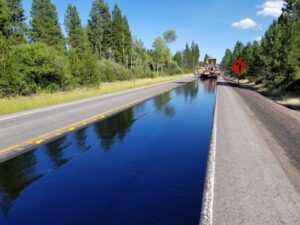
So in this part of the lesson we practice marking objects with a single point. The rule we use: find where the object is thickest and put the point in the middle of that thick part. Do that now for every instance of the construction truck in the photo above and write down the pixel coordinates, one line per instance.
(211, 69)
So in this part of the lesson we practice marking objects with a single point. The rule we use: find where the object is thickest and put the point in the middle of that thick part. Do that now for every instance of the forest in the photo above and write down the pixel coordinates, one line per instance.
(275, 60)
(37, 57)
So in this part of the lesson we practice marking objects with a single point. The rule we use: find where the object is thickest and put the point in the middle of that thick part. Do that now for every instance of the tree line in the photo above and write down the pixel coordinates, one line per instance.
(275, 60)
(38, 57)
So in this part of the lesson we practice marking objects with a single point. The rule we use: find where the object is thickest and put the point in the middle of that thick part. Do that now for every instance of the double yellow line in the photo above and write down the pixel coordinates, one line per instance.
(63, 131)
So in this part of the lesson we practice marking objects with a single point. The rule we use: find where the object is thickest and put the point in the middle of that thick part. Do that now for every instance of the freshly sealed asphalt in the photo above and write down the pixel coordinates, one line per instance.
(21, 131)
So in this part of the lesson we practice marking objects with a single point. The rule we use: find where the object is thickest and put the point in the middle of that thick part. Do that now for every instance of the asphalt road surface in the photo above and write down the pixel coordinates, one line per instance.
(257, 160)
(21, 131)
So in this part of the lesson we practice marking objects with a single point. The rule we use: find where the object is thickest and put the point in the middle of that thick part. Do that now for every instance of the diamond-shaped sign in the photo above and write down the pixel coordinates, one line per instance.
(239, 66)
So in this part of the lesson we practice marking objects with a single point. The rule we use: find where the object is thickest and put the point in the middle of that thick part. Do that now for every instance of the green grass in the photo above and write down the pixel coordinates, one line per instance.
(18, 104)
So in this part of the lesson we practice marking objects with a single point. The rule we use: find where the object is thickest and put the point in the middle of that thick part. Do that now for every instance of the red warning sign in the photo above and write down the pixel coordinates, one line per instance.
(239, 66)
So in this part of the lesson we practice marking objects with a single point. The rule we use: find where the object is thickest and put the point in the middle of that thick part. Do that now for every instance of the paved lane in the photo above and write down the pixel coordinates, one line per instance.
(256, 163)
(28, 128)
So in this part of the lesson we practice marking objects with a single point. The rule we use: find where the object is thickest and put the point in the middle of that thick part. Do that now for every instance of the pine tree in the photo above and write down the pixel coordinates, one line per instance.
(82, 63)
(186, 56)
(293, 53)
(4, 19)
(126, 42)
(178, 58)
(206, 59)
(247, 56)
(272, 50)
(118, 34)
(195, 54)
(18, 27)
(99, 28)
(291, 24)
(238, 50)
(74, 28)
(44, 24)
(226, 61)
(258, 65)
(107, 24)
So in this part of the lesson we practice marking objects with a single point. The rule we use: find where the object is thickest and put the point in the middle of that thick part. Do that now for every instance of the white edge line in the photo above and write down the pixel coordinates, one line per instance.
(208, 194)
(66, 104)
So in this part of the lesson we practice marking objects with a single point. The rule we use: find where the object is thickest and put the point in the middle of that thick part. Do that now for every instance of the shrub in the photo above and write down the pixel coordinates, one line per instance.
(8, 76)
(110, 71)
(39, 67)
(173, 68)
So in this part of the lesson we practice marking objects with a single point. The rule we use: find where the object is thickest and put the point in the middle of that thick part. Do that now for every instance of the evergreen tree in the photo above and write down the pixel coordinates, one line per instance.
(18, 27)
(126, 42)
(291, 24)
(4, 19)
(82, 63)
(195, 54)
(273, 51)
(178, 58)
(206, 59)
(247, 55)
(238, 50)
(99, 28)
(44, 24)
(226, 61)
(9, 84)
(74, 28)
(186, 57)
(293, 54)
(118, 35)
(255, 70)
(107, 24)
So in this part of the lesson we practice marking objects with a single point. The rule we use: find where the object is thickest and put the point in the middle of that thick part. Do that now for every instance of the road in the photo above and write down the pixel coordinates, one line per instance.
(23, 131)
(254, 166)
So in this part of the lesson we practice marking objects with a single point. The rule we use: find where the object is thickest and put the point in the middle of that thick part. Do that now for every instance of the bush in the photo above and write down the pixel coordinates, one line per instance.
(39, 67)
(110, 71)
(8, 76)
(142, 72)
(173, 68)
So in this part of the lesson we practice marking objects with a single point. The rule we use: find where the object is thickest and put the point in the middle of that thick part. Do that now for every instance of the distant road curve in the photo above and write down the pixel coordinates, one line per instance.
(23, 131)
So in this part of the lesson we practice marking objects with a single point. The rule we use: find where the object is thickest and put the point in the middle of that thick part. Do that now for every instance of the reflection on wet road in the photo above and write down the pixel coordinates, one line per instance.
(145, 165)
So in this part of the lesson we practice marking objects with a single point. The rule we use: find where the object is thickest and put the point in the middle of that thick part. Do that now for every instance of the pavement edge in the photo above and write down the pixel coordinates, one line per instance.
(206, 217)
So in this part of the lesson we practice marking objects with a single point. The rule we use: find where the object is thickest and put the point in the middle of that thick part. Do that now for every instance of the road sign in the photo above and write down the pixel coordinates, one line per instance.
(239, 66)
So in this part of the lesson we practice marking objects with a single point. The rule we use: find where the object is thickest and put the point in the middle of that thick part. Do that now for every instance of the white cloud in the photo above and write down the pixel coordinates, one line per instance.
(258, 38)
(245, 24)
(271, 8)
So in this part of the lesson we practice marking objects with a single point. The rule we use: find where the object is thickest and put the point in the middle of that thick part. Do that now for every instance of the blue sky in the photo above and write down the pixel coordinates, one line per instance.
(214, 24)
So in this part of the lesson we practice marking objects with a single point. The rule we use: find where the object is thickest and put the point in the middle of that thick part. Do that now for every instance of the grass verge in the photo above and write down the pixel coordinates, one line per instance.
(18, 104)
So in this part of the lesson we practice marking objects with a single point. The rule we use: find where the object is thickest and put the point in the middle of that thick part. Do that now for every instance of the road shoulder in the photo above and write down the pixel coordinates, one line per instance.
(250, 185)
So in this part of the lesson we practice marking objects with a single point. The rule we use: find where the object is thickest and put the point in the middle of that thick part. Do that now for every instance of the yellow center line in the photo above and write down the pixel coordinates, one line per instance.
(71, 127)
(9, 148)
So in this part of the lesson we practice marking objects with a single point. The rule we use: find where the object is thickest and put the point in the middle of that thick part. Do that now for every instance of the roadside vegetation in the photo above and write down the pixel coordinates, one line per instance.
(274, 62)
(21, 103)
(36, 58)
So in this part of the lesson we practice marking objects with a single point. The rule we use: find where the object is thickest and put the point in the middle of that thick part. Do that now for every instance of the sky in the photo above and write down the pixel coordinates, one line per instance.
(214, 24)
